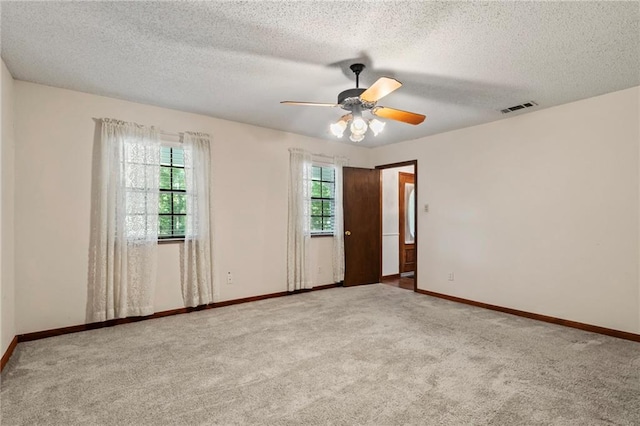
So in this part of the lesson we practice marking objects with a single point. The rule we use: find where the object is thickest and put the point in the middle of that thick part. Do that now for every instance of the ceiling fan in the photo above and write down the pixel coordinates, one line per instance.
(359, 100)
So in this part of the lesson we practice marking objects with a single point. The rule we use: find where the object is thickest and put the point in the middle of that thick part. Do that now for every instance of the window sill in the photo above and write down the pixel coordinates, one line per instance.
(171, 240)
(321, 235)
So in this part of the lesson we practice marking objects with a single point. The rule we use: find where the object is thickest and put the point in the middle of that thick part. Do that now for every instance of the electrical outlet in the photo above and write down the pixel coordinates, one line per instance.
(451, 276)
(229, 278)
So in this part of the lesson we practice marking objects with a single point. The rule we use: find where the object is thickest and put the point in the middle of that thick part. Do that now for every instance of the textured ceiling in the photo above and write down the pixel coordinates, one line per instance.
(460, 62)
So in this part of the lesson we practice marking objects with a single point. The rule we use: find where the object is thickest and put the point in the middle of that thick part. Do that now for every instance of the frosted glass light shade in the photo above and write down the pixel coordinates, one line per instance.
(338, 128)
(376, 126)
(358, 126)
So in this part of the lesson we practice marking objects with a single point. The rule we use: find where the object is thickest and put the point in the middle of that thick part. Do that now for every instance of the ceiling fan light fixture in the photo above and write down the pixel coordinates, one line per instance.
(358, 126)
(338, 128)
(376, 126)
(356, 138)
(360, 100)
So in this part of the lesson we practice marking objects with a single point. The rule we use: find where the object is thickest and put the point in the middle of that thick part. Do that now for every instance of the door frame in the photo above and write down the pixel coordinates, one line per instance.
(413, 163)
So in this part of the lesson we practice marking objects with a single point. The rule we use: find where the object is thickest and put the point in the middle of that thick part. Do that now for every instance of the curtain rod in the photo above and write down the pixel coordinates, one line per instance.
(321, 155)
(162, 132)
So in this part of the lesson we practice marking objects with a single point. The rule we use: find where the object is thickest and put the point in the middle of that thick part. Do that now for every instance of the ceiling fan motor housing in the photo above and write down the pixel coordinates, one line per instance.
(349, 93)
(350, 98)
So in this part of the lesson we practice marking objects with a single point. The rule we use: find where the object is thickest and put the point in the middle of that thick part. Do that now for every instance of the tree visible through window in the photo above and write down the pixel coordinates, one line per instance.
(322, 199)
(172, 207)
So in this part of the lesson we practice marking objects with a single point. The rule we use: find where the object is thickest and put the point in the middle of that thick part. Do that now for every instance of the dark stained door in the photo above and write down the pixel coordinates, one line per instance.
(362, 226)
(407, 241)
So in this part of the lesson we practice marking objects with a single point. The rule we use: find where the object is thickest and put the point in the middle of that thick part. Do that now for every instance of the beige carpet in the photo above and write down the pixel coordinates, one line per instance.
(368, 355)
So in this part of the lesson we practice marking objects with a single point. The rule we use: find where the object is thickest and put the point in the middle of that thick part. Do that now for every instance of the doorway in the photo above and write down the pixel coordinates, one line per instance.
(399, 224)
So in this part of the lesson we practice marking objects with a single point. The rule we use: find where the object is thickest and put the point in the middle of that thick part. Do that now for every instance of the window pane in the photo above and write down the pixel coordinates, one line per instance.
(327, 190)
(316, 189)
(172, 206)
(164, 203)
(315, 173)
(178, 157)
(136, 176)
(135, 202)
(316, 208)
(178, 179)
(136, 153)
(179, 225)
(328, 174)
(135, 226)
(316, 224)
(165, 156)
(327, 223)
(164, 226)
(165, 177)
(179, 203)
(327, 208)
(151, 225)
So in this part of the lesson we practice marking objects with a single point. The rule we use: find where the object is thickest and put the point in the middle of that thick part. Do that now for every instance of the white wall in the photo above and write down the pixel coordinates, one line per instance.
(55, 135)
(538, 212)
(391, 219)
(7, 302)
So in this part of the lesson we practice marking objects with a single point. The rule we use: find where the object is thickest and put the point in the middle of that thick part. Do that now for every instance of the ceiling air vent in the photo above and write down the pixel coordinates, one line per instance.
(517, 107)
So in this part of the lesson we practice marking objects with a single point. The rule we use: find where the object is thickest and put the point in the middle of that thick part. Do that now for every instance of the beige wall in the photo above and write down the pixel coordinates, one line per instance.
(7, 301)
(53, 193)
(538, 212)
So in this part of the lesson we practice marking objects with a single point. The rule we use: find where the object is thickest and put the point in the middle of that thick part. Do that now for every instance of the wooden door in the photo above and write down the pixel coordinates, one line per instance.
(407, 241)
(362, 226)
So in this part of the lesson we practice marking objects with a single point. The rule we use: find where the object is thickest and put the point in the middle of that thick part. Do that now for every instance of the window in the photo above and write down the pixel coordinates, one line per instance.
(172, 200)
(322, 199)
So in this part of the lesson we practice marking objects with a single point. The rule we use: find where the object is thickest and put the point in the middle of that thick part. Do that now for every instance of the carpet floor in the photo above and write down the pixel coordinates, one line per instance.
(374, 354)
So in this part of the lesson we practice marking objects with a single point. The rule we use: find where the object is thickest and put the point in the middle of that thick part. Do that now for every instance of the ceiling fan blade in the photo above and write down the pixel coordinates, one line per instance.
(398, 115)
(308, 104)
(381, 88)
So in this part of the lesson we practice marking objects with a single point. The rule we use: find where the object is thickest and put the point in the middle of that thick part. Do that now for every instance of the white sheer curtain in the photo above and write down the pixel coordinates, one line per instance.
(124, 235)
(338, 222)
(195, 254)
(299, 222)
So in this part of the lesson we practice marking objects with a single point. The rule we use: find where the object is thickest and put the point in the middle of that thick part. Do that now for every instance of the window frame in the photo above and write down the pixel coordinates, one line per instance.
(323, 232)
(171, 166)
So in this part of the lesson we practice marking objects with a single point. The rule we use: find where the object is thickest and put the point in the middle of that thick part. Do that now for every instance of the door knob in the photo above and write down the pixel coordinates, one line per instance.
(347, 233)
